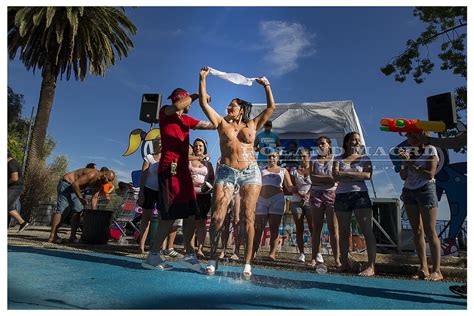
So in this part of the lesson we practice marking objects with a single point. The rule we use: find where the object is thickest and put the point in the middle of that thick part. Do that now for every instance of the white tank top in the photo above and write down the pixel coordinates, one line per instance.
(323, 169)
(151, 181)
(413, 180)
(273, 179)
(356, 185)
(302, 183)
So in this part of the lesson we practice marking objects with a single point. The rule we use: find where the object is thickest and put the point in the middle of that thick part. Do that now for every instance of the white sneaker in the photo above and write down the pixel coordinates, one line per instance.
(172, 253)
(191, 262)
(155, 261)
(319, 258)
(302, 257)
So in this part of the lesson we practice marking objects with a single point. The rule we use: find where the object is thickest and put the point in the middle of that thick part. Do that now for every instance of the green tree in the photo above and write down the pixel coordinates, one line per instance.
(446, 27)
(18, 128)
(42, 181)
(61, 41)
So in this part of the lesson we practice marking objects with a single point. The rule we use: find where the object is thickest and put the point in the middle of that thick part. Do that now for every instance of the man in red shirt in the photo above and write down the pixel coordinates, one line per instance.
(177, 198)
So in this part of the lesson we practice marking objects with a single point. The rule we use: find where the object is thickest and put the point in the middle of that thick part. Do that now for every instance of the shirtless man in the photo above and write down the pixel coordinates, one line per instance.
(238, 165)
(69, 195)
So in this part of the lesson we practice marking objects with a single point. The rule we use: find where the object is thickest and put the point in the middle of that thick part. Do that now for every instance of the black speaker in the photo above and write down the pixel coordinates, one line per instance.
(441, 107)
(386, 212)
(150, 109)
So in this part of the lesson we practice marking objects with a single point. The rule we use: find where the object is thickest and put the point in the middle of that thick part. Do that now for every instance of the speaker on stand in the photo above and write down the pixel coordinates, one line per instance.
(150, 108)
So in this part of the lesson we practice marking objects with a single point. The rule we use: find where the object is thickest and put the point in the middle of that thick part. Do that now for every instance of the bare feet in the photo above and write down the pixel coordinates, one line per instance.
(234, 257)
(222, 255)
(55, 240)
(200, 255)
(368, 272)
(420, 275)
(313, 263)
(434, 276)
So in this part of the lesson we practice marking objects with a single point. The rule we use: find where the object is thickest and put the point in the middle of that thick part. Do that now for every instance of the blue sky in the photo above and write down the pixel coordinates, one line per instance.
(309, 54)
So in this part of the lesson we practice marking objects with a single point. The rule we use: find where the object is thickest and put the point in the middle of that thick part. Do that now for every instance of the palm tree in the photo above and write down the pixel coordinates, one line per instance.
(61, 41)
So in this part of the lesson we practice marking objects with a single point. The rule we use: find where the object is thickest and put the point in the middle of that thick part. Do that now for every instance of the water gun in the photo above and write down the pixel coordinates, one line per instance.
(106, 189)
(402, 125)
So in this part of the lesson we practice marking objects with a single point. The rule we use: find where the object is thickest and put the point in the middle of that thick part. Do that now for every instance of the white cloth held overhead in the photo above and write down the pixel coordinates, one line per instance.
(232, 77)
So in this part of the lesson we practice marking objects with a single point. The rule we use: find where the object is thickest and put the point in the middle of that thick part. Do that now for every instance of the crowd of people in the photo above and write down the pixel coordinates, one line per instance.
(249, 185)
(248, 189)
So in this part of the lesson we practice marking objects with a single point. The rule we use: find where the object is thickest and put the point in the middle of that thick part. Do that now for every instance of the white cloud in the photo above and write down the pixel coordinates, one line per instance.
(286, 43)
(118, 162)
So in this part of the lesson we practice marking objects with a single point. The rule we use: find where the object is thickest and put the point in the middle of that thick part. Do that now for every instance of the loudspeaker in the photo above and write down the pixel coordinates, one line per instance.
(441, 107)
(150, 109)
(386, 212)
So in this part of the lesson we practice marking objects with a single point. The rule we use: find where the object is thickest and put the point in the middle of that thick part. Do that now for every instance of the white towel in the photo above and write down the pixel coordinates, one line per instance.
(232, 77)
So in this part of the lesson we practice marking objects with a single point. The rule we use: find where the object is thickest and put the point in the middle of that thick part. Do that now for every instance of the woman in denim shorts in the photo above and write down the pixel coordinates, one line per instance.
(322, 196)
(350, 170)
(418, 169)
(301, 177)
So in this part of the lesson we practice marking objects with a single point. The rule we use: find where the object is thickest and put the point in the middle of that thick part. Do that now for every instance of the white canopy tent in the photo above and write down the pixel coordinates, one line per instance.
(310, 120)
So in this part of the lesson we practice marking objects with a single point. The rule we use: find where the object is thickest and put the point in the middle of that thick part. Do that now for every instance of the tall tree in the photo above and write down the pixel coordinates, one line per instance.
(61, 41)
(446, 26)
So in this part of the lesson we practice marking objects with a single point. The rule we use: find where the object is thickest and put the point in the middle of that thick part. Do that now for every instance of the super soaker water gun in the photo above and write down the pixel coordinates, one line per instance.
(411, 126)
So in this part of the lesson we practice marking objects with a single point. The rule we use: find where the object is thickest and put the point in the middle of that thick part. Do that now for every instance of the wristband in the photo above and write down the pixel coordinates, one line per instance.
(266, 85)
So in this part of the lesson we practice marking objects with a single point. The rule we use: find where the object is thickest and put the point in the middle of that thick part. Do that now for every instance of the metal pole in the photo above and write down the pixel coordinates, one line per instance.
(30, 127)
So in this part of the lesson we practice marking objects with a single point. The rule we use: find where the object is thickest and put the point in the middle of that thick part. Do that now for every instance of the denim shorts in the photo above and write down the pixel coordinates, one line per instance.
(297, 208)
(67, 198)
(229, 176)
(272, 205)
(14, 193)
(422, 197)
(347, 202)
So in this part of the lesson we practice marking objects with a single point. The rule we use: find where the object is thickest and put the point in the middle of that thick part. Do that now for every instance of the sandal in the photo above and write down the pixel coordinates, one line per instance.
(420, 275)
(247, 273)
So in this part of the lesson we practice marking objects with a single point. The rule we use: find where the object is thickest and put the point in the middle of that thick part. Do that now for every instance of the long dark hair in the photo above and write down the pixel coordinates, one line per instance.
(328, 140)
(246, 108)
(203, 142)
(347, 137)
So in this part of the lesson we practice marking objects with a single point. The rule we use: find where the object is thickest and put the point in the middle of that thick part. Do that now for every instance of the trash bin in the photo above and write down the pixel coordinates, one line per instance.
(96, 226)
(152, 231)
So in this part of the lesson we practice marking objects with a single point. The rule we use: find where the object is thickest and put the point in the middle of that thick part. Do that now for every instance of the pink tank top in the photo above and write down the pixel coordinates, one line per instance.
(198, 174)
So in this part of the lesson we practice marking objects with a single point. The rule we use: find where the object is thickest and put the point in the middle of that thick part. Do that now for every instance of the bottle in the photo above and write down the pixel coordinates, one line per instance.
(321, 269)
